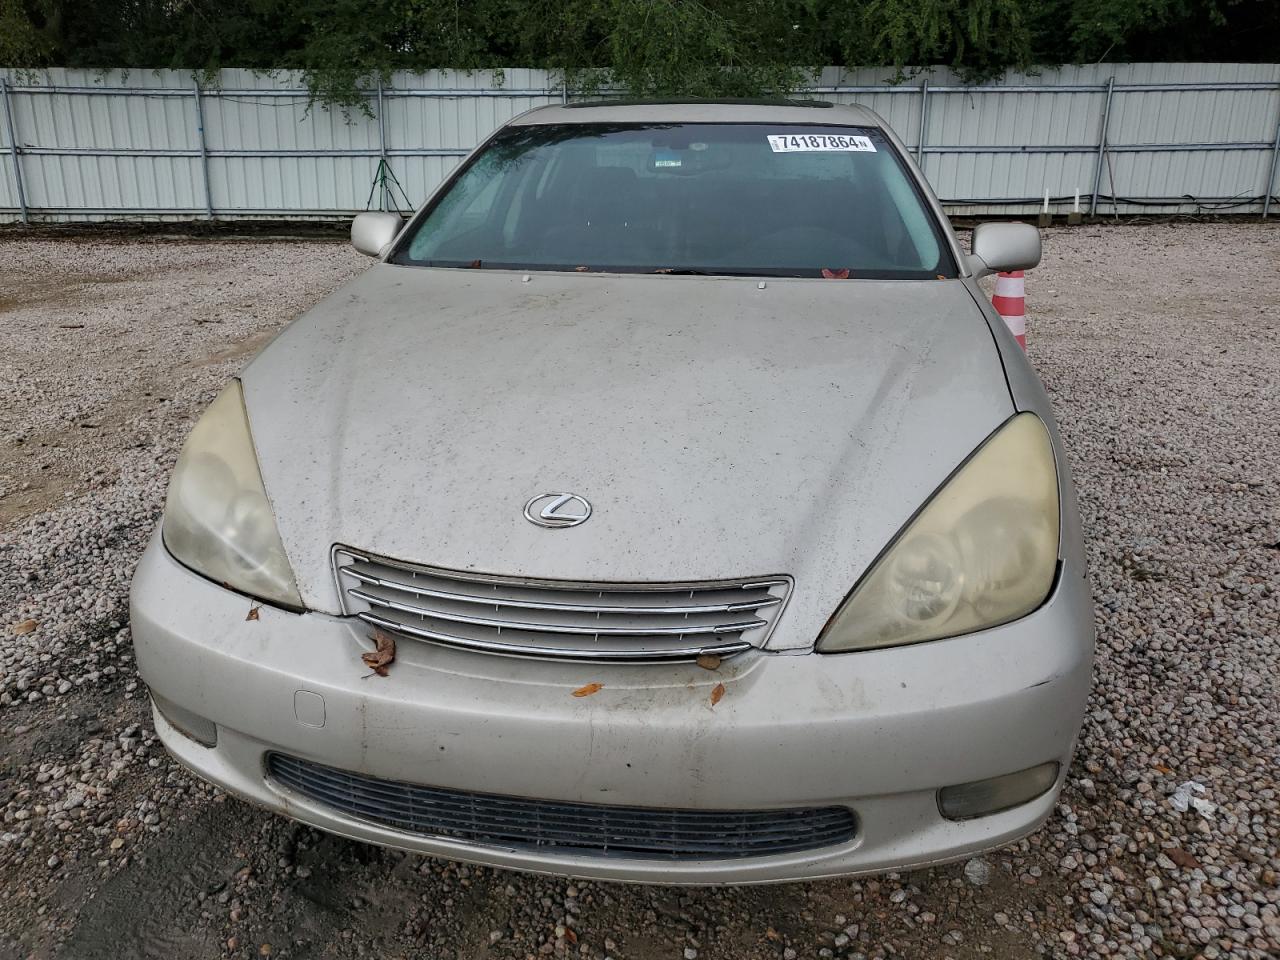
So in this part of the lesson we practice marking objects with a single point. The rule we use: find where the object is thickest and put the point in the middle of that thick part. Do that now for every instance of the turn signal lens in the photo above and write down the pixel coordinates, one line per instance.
(190, 725)
(982, 797)
(982, 552)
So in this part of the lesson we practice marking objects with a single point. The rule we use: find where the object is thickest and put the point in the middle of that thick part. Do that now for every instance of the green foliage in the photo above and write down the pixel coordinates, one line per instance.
(20, 42)
(677, 48)
(980, 38)
(1098, 27)
(643, 47)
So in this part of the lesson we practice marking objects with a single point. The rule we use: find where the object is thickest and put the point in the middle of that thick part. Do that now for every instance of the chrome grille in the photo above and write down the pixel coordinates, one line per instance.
(559, 619)
(573, 828)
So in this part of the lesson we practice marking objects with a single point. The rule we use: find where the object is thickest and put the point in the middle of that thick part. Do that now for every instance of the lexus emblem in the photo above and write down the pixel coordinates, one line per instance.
(557, 510)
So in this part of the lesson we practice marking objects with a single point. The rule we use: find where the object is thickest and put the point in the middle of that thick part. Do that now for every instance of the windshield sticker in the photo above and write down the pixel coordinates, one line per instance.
(819, 143)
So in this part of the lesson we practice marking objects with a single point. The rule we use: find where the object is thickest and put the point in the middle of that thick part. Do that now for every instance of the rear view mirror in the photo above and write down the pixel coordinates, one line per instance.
(1001, 247)
(371, 233)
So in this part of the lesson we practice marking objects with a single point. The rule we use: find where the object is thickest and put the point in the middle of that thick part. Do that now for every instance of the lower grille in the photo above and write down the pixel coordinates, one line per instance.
(572, 828)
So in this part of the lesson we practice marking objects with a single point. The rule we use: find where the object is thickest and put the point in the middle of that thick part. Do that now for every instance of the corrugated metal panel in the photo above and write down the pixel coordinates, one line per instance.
(128, 144)
(963, 121)
(8, 185)
(1178, 117)
(74, 124)
(242, 130)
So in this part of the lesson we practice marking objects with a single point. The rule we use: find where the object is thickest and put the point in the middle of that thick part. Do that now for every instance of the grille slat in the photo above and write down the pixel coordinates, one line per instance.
(559, 619)
(529, 649)
(574, 828)
(591, 608)
(682, 630)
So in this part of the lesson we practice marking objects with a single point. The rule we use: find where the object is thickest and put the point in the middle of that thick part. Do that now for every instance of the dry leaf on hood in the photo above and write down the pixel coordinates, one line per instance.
(588, 690)
(378, 660)
(708, 661)
(26, 626)
(253, 612)
(717, 693)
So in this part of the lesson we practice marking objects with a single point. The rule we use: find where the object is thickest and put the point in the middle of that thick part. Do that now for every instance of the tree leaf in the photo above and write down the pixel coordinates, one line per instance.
(708, 661)
(588, 690)
(253, 612)
(26, 626)
(383, 656)
(717, 693)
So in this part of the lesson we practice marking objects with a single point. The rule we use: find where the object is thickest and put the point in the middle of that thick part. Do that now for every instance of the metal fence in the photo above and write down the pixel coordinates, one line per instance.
(1124, 138)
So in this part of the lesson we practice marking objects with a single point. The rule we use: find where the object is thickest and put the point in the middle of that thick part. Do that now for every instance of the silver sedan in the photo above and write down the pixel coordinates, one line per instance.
(667, 503)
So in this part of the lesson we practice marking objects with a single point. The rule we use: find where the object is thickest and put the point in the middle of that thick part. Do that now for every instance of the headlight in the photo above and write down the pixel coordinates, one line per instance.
(217, 519)
(983, 551)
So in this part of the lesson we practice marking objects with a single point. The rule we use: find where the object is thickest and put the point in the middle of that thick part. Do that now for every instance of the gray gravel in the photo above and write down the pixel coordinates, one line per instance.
(1160, 347)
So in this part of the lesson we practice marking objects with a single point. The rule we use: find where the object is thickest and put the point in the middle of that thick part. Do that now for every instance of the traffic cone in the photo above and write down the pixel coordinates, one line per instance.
(1010, 303)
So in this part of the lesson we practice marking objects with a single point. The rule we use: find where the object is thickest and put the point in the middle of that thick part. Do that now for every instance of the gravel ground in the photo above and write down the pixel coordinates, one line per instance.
(1159, 346)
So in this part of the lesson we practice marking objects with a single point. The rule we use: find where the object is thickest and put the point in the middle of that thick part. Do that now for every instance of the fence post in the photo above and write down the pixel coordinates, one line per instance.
(924, 120)
(382, 153)
(204, 151)
(13, 151)
(1271, 174)
(1102, 149)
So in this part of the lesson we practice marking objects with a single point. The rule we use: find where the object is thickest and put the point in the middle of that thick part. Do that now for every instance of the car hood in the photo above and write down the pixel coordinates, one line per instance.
(720, 427)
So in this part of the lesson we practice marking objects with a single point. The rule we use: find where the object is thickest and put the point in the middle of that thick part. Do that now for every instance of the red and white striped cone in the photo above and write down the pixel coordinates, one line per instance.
(1010, 302)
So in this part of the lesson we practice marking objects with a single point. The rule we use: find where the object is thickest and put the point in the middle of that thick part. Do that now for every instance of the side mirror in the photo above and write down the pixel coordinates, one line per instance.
(372, 232)
(1001, 247)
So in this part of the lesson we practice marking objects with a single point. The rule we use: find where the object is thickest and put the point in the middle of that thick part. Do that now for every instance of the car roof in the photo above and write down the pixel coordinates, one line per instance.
(702, 111)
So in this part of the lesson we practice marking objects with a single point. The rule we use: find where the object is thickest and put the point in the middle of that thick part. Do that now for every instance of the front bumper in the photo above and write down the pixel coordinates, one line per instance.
(879, 731)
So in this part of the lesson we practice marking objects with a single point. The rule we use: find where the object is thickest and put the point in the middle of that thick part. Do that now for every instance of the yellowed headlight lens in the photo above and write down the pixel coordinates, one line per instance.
(217, 519)
(983, 551)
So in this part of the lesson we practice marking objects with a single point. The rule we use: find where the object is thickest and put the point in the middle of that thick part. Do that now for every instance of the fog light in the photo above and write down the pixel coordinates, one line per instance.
(982, 797)
(190, 725)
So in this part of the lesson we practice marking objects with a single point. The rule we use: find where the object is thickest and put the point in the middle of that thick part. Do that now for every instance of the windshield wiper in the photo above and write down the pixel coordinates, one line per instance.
(696, 272)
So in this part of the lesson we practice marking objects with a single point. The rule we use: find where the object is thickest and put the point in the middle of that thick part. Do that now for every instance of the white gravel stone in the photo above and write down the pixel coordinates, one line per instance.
(978, 872)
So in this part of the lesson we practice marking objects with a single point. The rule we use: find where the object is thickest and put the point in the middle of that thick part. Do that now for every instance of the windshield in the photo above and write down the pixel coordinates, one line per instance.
(754, 199)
